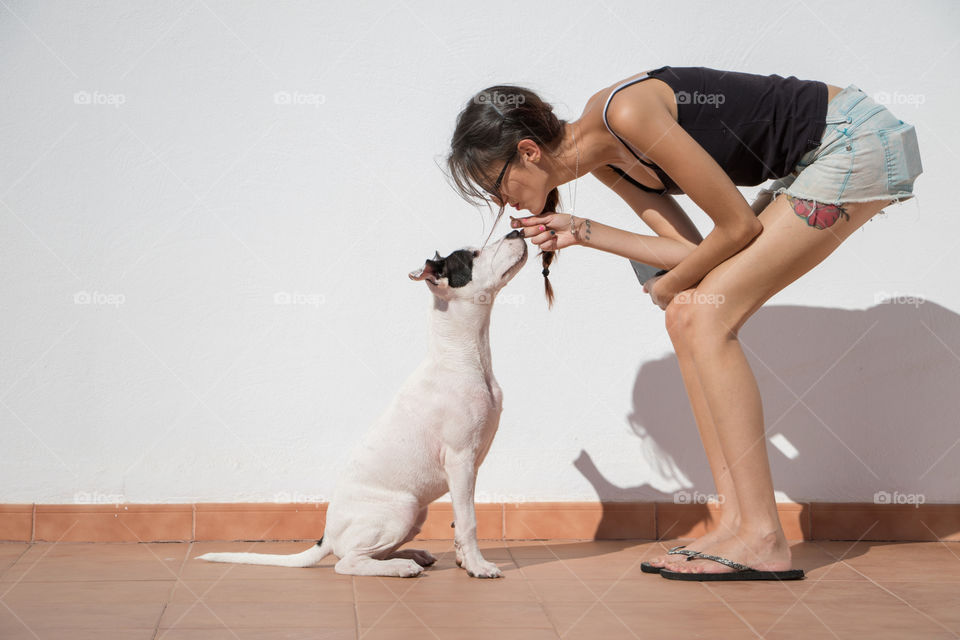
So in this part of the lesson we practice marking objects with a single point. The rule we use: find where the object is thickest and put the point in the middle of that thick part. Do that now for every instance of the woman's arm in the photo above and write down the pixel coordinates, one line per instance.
(649, 127)
(676, 237)
(660, 212)
(665, 253)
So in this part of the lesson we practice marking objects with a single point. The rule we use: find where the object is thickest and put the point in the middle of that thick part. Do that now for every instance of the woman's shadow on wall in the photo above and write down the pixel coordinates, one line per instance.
(856, 403)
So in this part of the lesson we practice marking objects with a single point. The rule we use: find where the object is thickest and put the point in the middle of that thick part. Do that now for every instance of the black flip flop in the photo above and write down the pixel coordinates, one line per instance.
(646, 567)
(743, 572)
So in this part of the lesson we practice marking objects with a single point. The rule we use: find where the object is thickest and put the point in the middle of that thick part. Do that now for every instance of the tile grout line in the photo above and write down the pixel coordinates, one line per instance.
(503, 521)
(536, 593)
(167, 600)
(15, 561)
(356, 608)
(656, 520)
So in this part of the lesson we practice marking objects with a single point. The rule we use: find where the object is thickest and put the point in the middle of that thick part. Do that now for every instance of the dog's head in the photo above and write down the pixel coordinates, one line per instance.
(474, 274)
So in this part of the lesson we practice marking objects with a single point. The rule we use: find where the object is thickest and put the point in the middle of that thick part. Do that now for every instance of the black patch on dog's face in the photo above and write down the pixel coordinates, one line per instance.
(457, 267)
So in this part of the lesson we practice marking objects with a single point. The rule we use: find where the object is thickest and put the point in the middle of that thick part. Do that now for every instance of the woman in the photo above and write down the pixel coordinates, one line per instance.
(838, 158)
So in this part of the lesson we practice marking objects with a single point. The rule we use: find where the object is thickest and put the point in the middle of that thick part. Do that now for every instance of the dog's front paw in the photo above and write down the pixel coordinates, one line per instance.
(484, 569)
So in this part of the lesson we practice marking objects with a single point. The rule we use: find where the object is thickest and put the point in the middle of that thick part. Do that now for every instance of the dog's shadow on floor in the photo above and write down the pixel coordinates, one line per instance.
(855, 403)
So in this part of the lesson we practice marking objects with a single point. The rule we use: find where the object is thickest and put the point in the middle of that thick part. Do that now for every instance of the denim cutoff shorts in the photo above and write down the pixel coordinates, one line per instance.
(866, 153)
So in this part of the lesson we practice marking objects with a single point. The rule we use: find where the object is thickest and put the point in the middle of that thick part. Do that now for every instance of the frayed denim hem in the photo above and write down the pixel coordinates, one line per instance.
(897, 197)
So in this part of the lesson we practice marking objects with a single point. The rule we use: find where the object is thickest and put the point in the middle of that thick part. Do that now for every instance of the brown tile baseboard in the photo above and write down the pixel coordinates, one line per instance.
(258, 520)
(112, 522)
(498, 521)
(16, 522)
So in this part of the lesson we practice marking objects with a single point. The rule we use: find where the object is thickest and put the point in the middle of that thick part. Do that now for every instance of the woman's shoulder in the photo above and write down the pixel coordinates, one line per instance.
(602, 94)
(654, 92)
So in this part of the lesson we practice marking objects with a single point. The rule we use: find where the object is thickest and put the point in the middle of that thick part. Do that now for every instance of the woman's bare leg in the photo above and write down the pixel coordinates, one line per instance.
(729, 513)
(708, 325)
(726, 493)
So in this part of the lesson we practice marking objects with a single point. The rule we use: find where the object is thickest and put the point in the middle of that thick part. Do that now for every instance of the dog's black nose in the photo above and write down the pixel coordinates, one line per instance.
(516, 233)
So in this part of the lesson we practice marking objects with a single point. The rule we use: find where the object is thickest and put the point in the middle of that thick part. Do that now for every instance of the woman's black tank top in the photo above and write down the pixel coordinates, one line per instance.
(756, 127)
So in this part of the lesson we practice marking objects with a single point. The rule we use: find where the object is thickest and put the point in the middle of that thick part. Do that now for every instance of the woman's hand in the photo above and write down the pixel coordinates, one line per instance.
(660, 291)
(550, 231)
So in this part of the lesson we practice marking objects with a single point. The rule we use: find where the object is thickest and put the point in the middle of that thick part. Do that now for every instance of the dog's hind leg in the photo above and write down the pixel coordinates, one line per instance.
(358, 565)
(421, 556)
(374, 537)
(365, 559)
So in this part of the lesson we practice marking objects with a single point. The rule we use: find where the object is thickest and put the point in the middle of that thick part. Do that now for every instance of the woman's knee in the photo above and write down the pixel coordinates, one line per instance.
(696, 317)
(676, 316)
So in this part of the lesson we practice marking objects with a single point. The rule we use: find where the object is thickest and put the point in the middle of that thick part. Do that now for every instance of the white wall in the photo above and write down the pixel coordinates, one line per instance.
(183, 197)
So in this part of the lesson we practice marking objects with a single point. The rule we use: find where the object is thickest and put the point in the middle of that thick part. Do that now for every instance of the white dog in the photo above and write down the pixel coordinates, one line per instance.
(431, 439)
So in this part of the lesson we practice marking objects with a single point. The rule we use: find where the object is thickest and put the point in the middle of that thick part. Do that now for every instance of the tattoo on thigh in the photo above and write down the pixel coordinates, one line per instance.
(817, 214)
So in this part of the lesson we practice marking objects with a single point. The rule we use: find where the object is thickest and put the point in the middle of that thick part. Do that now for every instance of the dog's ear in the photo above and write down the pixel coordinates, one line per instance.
(432, 269)
(458, 268)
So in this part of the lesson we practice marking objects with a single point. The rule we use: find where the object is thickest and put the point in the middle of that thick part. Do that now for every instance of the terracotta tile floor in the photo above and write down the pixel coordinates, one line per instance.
(552, 589)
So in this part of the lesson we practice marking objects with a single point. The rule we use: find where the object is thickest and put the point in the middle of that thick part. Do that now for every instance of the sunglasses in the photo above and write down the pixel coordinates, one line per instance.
(496, 185)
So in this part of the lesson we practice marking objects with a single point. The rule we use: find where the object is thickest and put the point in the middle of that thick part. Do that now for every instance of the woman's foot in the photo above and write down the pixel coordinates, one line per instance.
(710, 539)
(761, 552)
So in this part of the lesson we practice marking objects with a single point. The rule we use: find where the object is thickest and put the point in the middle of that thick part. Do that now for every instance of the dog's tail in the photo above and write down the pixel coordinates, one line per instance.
(307, 558)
